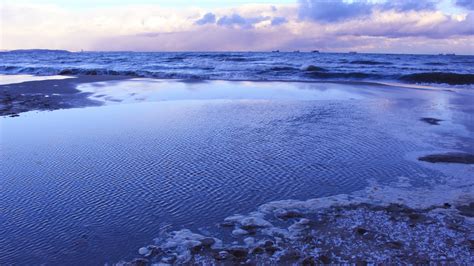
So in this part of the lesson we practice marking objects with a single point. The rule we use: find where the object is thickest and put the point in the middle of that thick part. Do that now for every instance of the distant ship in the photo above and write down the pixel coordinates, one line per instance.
(276, 51)
(296, 51)
(451, 54)
(315, 51)
(352, 52)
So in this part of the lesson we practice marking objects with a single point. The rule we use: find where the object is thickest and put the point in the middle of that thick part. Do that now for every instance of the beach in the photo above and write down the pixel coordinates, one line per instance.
(111, 169)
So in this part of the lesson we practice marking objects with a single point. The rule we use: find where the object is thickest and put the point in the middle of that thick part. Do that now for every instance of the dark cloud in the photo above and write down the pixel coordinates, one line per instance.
(339, 10)
(440, 30)
(208, 18)
(278, 21)
(331, 11)
(238, 20)
(407, 5)
(468, 4)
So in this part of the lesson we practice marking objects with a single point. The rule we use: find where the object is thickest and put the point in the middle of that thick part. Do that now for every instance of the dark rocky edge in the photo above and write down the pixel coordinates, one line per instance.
(431, 121)
(47, 95)
(440, 77)
(450, 157)
(361, 233)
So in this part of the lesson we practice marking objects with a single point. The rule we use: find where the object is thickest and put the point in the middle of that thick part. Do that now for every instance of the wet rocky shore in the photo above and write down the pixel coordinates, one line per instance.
(361, 234)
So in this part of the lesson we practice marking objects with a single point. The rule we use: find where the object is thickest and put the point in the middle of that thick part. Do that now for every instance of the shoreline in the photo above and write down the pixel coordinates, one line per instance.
(344, 228)
(48, 95)
(54, 94)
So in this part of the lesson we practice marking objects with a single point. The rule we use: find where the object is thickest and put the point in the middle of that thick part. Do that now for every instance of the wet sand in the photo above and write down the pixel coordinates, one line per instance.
(47, 95)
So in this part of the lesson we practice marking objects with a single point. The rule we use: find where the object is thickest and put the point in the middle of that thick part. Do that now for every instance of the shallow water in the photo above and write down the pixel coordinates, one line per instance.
(92, 185)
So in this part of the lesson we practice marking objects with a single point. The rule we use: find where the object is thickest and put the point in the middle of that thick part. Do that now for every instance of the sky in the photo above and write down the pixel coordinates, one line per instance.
(381, 26)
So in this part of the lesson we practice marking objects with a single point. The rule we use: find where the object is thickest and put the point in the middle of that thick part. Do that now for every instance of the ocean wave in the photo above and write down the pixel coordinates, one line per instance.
(304, 73)
(435, 64)
(312, 68)
(283, 68)
(368, 62)
(439, 77)
(342, 75)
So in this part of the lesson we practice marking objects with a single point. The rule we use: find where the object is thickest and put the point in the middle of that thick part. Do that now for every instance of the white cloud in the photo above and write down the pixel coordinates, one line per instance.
(246, 27)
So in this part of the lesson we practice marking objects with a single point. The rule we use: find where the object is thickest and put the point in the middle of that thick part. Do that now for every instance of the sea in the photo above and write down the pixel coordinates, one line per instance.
(250, 66)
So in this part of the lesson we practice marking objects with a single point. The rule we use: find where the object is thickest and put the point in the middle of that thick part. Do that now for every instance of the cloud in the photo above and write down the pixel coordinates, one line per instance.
(208, 18)
(339, 10)
(386, 27)
(278, 21)
(408, 5)
(431, 25)
(237, 20)
(468, 4)
(333, 11)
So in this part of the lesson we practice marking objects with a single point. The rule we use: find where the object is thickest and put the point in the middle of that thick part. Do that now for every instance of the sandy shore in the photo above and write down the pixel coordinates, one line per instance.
(47, 95)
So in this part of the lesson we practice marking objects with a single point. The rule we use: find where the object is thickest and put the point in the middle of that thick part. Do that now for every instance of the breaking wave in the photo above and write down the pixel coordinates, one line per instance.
(368, 62)
(252, 66)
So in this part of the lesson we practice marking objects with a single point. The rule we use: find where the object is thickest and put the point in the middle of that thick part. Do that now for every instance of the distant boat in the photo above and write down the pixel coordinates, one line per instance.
(352, 52)
(453, 54)
(296, 51)
(315, 51)
(276, 51)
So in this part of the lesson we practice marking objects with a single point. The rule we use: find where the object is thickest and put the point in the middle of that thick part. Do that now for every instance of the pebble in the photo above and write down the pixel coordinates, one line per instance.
(222, 255)
(240, 232)
(143, 251)
(239, 252)
(208, 241)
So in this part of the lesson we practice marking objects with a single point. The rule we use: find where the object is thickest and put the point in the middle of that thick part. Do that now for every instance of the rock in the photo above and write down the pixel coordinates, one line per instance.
(238, 252)
(361, 231)
(254, 222)
(290, 255)
(467, 210)
(450, 157)
(415, 216)
(139, 262)
(304, 221)
(227, 224)
(169, 259)
(249, 241)
(308, 261)
(431, 121)
(287, 214)
(268, 243)
(240, 232)
(222, 255)
(258, 250)
(271, 249)
(208, 241)
(144, 251)
(324, 259)
(191, 244)
(395, 244)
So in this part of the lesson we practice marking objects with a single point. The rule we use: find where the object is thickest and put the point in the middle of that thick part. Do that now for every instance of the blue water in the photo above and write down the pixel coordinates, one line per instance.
(92, 185)
(437, 69)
